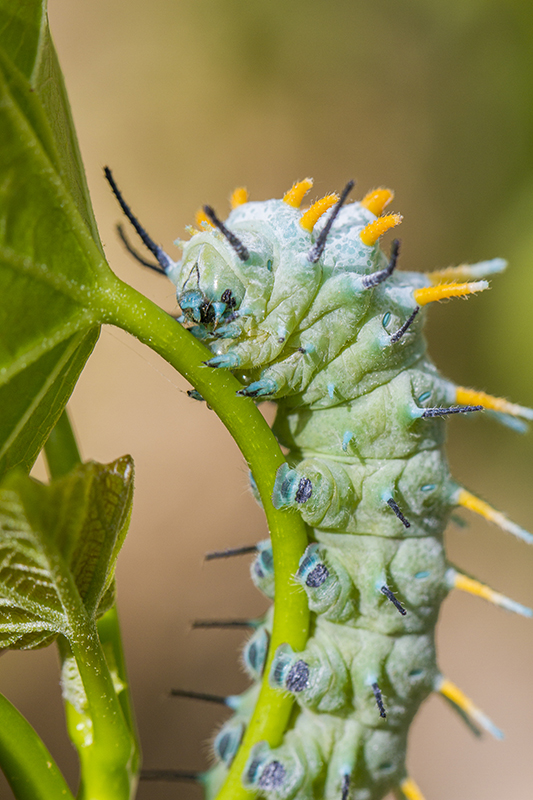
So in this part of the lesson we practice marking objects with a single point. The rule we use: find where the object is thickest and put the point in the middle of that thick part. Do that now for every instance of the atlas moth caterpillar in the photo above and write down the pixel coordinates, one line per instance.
(306, 310)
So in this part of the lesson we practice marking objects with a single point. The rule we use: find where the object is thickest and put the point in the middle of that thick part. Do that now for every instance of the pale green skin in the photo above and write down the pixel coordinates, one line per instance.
(350, 380)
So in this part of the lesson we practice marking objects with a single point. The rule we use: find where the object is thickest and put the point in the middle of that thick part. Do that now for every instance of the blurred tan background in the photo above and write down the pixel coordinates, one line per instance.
(186, 99)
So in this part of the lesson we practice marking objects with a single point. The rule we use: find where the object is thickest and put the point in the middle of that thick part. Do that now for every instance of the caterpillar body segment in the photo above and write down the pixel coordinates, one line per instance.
(306, 309)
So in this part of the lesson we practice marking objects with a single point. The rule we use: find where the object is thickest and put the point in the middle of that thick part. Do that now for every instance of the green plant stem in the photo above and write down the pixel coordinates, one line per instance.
(126, 308)
(109, 757)
(111, 640)
(105, 737)
(27, 764)
(61, 449)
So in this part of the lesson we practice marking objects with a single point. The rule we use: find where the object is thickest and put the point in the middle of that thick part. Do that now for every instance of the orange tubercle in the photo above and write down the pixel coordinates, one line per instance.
(296, 194)
(449, 274)
(313, 214)
(201, 217)
(470, 585)
(468, 500)
(410, 790)
(453, 693)
(376, 200)
(371, 233)
(430, 294)
(472, 397)
(239, 197)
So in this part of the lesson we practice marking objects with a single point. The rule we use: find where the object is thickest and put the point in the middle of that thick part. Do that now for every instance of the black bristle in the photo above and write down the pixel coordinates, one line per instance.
(318, 248)
(345, 787)
(379, 700)
(233, 240)
(443, 412)
(136, 255)
(400, 332)
(208, 698)
(378, 277)
(390, 596)
(162, 258)
(396, 508)
(222, 623)
(236, 551)
(169, 775)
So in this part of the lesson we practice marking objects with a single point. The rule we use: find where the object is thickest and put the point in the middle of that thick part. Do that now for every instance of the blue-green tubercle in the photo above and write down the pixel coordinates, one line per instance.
(366, 468)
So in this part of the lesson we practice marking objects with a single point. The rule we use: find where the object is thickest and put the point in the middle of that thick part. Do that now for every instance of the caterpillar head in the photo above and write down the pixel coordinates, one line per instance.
(218, 270)
(208, 288)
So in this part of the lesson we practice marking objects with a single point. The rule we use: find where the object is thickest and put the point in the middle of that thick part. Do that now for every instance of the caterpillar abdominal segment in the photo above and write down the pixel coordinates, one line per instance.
(308, 311)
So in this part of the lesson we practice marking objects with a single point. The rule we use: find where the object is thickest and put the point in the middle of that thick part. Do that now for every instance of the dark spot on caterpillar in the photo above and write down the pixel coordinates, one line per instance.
(267, 558)
(228, 299)
(222, 746)
(423, 397)
(256, 651)
(308, 558)
(252, 770)
(304, 491)
(251, 655)
(385, 767)
(298, 677)
(207, 313)
(386, 319)
(258, 569)
(264, 563)
(277, 675)
(272, 776)
(194, 395)
(424, 574)
(317, 576)
(415, 673)
(227, 742)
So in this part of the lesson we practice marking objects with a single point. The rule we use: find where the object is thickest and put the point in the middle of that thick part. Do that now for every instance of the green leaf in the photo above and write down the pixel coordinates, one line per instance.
(26, 762)
(27, 45)
(61, 449)
(58, 549)
(51, 261)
